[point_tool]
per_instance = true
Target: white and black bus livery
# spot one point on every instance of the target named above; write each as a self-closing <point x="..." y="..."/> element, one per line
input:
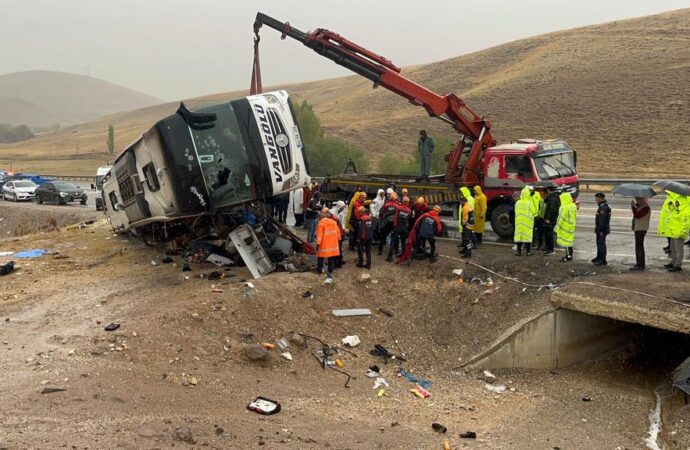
<point x="203" y="161"/>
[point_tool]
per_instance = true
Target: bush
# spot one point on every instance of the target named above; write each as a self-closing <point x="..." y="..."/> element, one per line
<point x="326" y="155"/>
<point x="10" y="134"/>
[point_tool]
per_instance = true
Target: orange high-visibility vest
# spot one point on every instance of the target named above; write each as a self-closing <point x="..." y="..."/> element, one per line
<point x="327" y="238"/>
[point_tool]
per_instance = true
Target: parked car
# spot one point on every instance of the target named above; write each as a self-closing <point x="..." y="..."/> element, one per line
<point x="38" y="179"/>
<point x="60" y="192"/>
<point x="19" y="190"/>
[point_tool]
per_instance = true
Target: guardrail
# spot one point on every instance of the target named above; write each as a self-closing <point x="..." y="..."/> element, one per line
<point x="586" y="183"/>
<point x="71" y="177"/>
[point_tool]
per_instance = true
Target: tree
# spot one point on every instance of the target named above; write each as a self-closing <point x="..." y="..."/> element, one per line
<point x="111" y="142"/>
<point x="9" y="134"/>
<point x="326" y="155"/>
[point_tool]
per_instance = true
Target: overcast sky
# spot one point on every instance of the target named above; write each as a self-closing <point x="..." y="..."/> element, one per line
<point x="176" y="49"/>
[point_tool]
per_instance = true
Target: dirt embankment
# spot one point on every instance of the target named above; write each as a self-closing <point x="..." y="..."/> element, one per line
<point x="29" y="218"/>
<point x="178" y="357"/>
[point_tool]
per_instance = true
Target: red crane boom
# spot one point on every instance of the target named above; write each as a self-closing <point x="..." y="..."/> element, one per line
<point x="450" y="108"/>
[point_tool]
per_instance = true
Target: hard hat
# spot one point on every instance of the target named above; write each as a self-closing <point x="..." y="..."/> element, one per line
<point x="420" y="200"/>
<point x="437" y="208"/>
<point x="394" y="195"/>
<point x="325" y="210"/>
<point x="390" y="191"/>
<point x="404" y="191"/>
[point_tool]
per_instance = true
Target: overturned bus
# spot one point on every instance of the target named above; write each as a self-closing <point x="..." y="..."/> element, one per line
<point x="205" y="161"/>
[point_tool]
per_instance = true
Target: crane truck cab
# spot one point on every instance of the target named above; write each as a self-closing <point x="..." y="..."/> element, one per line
<point x="204" y="161"/>
<point x="509" y="167"/>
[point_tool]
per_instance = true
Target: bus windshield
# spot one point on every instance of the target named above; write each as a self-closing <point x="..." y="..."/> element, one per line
<point x="555" y="165"/>
<point x="222" y="154"/>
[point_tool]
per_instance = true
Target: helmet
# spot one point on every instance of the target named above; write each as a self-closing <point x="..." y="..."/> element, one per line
<point x="404" y="191"/>
<point x="420" y="200"/>
<point x="325" y="210"/>
<point x="437" y="208"/>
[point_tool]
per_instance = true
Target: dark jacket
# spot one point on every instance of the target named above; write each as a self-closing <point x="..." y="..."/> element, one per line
<point x="552" y="205"/>
<point x="429" y="225"/>
<point x="314" y="207"/>
<point x="602" y="220"/>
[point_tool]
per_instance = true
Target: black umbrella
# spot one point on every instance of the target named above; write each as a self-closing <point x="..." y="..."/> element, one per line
<point x="634" y="190"/>
<point x="674" y="186"/>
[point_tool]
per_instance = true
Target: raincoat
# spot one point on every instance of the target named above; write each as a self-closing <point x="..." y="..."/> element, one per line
<point x="525" y="211"/>
<point x="377" y="203"/>
<point x="567" y="217"/>
<point x="666" y="213"/>
<point x="327" y="238"/>
<point x="350" y="211"/>
<point x="468" y="195"/>
<point x="479" y="210"/>
<point x="679" y="218"/>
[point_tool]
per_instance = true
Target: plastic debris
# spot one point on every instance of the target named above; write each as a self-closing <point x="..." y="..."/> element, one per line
<point x="458" y="272"/>
<point x="420" y="392"/>
<point x="380" y="381"/>
<point x="489" y="377"/>
<point x="468" y="435"/>
<point x="219" y="260"/>
<point x="286" y="355"/>
<point x="308" y="294"/>
<point x="351" y="341"/>
<point x="438" y="427"/>
<point x="381" y="392"/>
<point x="351" y="312"/>
<point x="268" y="346"/>
<point x="265" y="406"/>
<point x="497" y="388"/>
<point x="283" y="343"/>
<point x="386" y="312"/>
<point x="33" y="253"/>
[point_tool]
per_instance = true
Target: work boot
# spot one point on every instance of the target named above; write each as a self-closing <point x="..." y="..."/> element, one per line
<point x="518" y="253"/>
<point x="593" y="260"/>
<point x="380" y="252"/>
<point x="433" y="259"/>
<point x="529" y="253"/>
<point x="601" y="263"/>
<point x="636" y="268"/>
<point x="368" y="267"/>
<point x="668" y="266"/>
<point x="675" y="269"/>
<point x="566" y="259"/>
<point x="360" y="264"/>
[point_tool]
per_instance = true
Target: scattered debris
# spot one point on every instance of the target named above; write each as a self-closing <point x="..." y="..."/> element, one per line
<point x="298" y="340"/>
<point x="112" y="326"/>
<point x="351" y="312"/>
<point x="287" y="356"/>
<point x="420" y="392"/>
<point x="380" y="381"/>
<point x="256" y="352"/>
<point x="381" y="352"/>
<point x="33" y="253"/>
<point x="52" y="390"/>
<point x="218" y="260"/>
<point x="185" y="435"/>
<point x="167" y="260"/>
<point x="364" y="278"/>
<point x="308" y="294"/>
<point x="154" y="263"/>
<point x="438" y="427"/>
<point x="268" y="345"/>
<point x="586" y="398"/>
<point x="186" y="267"/>
<point x="468" y="435"/>
<point x="495" y="388"/>
<point x="6" y="254"/>
<point x="426" y="384"/>
<point x="351" y="341"/>
<point x="253" y="254"/>
<point x="265" y="406"/>
<point x="488" y="377"/>
<point x="386" y="312"/>
<point x="282" y="343"/>
<point x="7" y="268"/>
<point x="458" y="272"/>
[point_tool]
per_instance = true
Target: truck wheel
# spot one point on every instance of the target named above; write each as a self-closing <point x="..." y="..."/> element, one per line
<point x="500" y="221"/>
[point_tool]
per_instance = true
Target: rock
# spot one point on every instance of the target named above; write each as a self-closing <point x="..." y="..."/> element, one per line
<point x="71" y="352"/>
<point x="468" y="435"/>
<point x="488" y="377"/>
<point x="147" y="432"/>
<point x="438" y="427"/>
<point x="364" y="278"/>
<point x="298" y="339"/>
<point x="219" y="431"/>
<point x="193" y="381"/>
<point x="185" y="435"/>
<point x="256" y="352"/>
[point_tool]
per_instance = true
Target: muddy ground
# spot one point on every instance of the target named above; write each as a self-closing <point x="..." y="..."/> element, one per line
<point x="178" y="358"/>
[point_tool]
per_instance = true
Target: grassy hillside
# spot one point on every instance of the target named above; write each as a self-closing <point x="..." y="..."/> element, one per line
<point x="618" y="92"/>
<point x="44" y="98"/>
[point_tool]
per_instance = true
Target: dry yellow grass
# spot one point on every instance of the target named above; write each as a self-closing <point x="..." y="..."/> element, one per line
<point x="618" y="92"/>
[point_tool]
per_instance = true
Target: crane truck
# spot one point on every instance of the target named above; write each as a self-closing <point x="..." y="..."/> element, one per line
<point x="476" y="159"/>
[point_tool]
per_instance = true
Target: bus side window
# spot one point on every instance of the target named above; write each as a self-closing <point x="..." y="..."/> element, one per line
<point x="113" y="200"/>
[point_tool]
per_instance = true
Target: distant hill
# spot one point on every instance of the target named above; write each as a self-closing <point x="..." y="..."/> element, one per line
<point x="617" y="92"/>
<point x="44" y="98"/>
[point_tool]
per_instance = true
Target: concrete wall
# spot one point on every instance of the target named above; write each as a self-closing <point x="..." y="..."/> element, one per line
<point x="553" y="340"/>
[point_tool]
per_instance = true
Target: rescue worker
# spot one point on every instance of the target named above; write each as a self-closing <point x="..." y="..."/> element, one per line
<point x="401" y="226"/>
<point x="552" y="205"/>
<point x="428" y="227"/>
<point x="311" y="216"/>
<point x="565" y="225"/>
<point x="356" y="201"/>
<point x="479" y="213"/>
<point x="602" y="228"/>
<point x="466" y="226"/>
<point x="365" y="235"/>
<point x="375" y="208"/>
<point x="524" y="221"/>
<point x="419" y="208"/>
<point x="677" y="228"/>
<point x="327" y="248"/>
<point x="425" y="147"/>
<point x="387" y="219"/>
<point x="538" y="221"/>
<point x="337" y="214"/>
<point x="640" y="225"/>
<point x="465" y="191"/>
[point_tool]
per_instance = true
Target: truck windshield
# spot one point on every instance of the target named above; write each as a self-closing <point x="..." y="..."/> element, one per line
<point x="555" y="165"/>
<point x="222" y="154"/>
